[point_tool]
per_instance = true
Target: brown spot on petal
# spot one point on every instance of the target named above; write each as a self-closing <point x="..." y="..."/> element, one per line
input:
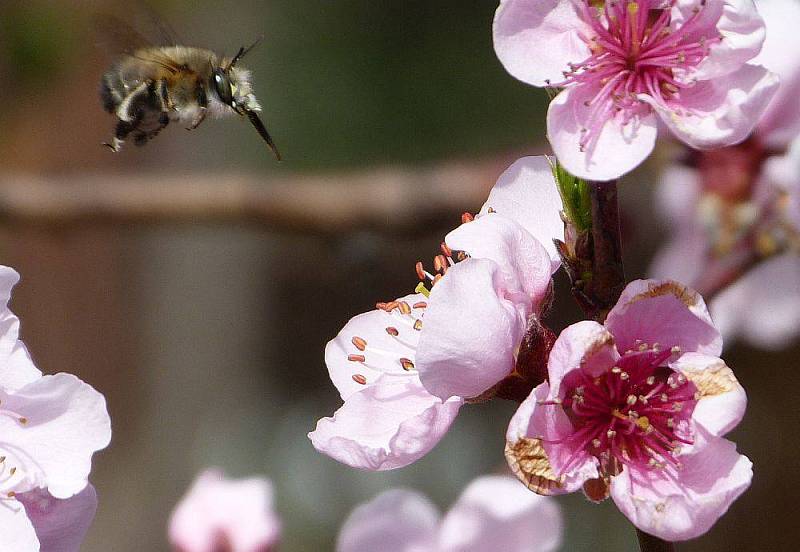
<point x="714" y="380"/>
<point x="596" y="490"/>
<point x="687" y="296"/>
<point x="530" y="464"/>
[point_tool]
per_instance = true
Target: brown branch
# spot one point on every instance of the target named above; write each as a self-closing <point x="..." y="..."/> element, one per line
<point x="385" y="199"/>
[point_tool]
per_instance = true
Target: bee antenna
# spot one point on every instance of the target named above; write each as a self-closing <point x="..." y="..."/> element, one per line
<point x="243" y="52"/>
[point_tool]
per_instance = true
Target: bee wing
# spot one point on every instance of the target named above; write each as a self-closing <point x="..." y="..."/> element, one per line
<point x="115" y="37"/>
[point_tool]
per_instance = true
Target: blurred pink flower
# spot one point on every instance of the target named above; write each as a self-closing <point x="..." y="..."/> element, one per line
<point x="637" y="409"/>
<point x="402" y="380"/>
<point x="742" y="197"/>
<point x="223" y="515"/>
<point x="50" y="426"/>
<point x="625" y="62"/>
<point x="493" y="513"/>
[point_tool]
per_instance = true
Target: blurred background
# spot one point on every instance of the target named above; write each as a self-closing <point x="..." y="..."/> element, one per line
<point x="195" y="281"/>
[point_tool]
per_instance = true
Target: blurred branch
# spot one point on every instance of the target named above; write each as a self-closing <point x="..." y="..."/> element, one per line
<point x="385" y="199"/>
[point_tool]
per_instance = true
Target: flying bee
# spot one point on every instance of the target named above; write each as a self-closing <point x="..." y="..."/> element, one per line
<point x="148" y="86"/>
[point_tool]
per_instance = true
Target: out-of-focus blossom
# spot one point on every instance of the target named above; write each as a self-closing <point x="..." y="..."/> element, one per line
<point x="744" y="201"/>
<point x="625" y="64"/>
<point x="493" y="513"/>
<point x="637" y="408"/>
<point x="403" y="379"/>
<point x="50" y="426"/>
<point x="223" y="515"/>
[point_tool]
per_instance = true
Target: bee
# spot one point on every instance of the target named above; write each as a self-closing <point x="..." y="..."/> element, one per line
<point x="149" y="86"/>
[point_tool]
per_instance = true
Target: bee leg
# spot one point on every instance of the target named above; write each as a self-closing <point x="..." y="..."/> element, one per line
<point x="199" y="118"/>
<point x="202" y="102"/>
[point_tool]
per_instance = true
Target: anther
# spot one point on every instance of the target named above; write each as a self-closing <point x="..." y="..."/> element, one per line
<point x="467" y="217"/>
<point x="420" y="270"/>
<point x="631" y="400"/>
<point x="406" y="364"/>
<point x="651" y="380"/>
<point x="405" y="308"/>
<point x="446" y="249"/>
<point x="418" y="325"/>
<point x="420" y="305"/>
<point x="391" y="330"/>
<point x="359" y="343"/>
<point x="360" y="379"/>
<point x="356" y="358"/>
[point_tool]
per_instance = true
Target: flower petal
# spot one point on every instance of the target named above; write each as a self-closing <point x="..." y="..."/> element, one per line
<point x="527" y="193"/>
<point x="722" y="399"/>
<point x="533" y="459"/>
<point x="391" y="334"/>
<point x="497" y="513"/>
<point x="742" y="30"/>
<point x="522" y="26"/>
<point x="585" y="345"/>
<point x="60" y="524"/>
<point x="520" y="256"/>
<point x="470" y="332"/>
<point x="722" y="111"/>
<point x="16" y="366"/>
<point x="763" y="306"/>
<point x="238" y="513"/>
<point x="395" y="521"/>
<point x="66" y="422"/>
<point x="686" y="504"/>
<point x="616" y="148"/>
<point x="388" y="425"/>
<point x="663" y="312"/>
<point x="18" y="532"/>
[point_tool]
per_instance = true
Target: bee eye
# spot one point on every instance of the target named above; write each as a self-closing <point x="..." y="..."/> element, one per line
<point x="222" y="86"/>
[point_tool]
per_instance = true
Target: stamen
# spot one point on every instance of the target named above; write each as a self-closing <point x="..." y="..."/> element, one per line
<point x="359" y="343"/>
<point x="360" y="379"/>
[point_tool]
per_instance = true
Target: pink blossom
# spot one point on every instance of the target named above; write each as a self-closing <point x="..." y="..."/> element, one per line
<point x="223" y="515"/>
<point x="627" y="63"/>
<point x="403" y="380"/>
<point x="637" y="409"/>
<point x="493" y="513"/>
<point x="50" y="426"/>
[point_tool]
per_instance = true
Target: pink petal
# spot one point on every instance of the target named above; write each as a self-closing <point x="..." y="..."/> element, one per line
<point x="18" y="532"/>
<point x="522" y="26"/>
<point x="685" y="507"/>
<point x="60" y="524"/>
<point x="394" y="521"/>
<point x="67" y="422"/>
<point x="763" y="307"/>
<point x="682" y="259"/>
<point x="388" y="425"/>
<point x="742" y="30"/>
<point x="16" y="366"/>
<point x="522" y="259"/>
<point x="663" y="312"/>
<point x="239" y="513"/>
<point x="372" y="328"/>
<point x="722" y="111"/>
<point x="549" y="422"/>
<point x="781" y="121"/>
<point x="470" y="331"/>
<point x="499" y="513"/>
<point x="527" y="193"/>
<point x="721" y="411"/>
<point x="585" y="345"/>
<point x="616" y="149"/>
<point x="677" y="194"/>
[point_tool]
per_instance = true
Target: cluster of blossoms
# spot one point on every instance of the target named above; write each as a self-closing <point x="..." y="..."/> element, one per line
<point x="635" y="409"/>
<point x="51" y="425"/>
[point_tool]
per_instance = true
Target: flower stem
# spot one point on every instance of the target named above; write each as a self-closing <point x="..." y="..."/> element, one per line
<point x="608" y="272"/>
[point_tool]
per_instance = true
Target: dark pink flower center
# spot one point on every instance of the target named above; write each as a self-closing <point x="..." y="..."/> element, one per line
<point x="636" y="48"/>
<point x="637" y="414"/>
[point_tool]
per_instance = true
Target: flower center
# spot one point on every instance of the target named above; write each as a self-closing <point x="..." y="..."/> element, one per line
<point x="636" y="48"/>
<point x="637" y="414"/>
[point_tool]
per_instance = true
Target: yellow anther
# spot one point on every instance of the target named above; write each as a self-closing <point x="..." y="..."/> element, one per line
<point x="422" y="289"/>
